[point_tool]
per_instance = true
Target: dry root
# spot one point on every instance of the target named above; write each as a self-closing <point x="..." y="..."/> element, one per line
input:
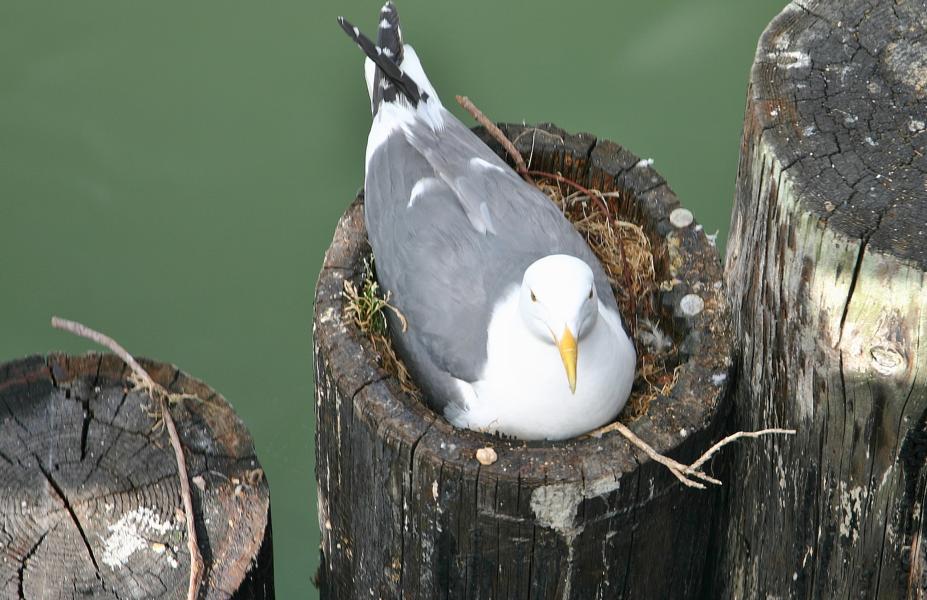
<point x="690" y="475"/>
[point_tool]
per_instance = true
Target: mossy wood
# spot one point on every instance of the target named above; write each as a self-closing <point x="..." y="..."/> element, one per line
<point x="825" y="266"/>
<point x="406" y="510"/>
<point x="90" y="502"/>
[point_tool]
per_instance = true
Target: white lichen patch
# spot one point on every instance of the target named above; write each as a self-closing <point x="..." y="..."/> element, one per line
<point x="681" y="217"/>
<point x="780" y="470"/>
<point x="851" y="505"/>
<point x="691" y="305"/>
<point x="907" y="60"/>
<point x="783" y="41"/>
<point x="718" y="378"/>
<point x="555" y="506"/>
<point x="791" y="59"/>
<point x="327" y="315"/>
<point x="130" y="534"/>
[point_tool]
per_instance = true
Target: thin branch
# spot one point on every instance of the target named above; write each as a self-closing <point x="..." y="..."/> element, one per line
<point x="158" y="393"/>
<point x="519" y="160"/>
<point x="491" y="127"/>
<point x="81" y="330"/>
<point x="736" y="436"/>
<point x="676" y="468"/>
<point x="687" y="474"/>
<point x="196" y="559"/>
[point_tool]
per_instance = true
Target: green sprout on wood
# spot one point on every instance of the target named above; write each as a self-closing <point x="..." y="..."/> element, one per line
<point x="367" y="303"/>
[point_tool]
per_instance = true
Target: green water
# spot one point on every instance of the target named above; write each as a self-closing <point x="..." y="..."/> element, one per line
<point x="171" y="172"/>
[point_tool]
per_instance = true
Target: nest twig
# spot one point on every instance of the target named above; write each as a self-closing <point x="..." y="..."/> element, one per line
<point x="690" y="475"/>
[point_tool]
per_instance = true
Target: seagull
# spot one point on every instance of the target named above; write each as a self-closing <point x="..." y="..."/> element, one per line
<point x="512" y="326"/>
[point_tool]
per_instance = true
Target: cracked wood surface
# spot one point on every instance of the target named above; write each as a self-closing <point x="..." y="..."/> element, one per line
<point x="825" y="266"/>
<point x="90" y="503"/>
<point x="405" y="509"/>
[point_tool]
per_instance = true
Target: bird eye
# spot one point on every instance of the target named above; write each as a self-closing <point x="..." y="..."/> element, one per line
<point x="590" y="293"/>
<point x="533" y="297"/>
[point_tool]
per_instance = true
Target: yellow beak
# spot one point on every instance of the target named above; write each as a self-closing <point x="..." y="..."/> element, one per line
<point x="568" y="352"/>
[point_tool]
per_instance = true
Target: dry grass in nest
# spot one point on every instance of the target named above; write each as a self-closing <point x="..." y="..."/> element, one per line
<point x="625" y="252"/>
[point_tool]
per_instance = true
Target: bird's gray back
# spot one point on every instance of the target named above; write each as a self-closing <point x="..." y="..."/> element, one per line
<point x="443" y="273"/>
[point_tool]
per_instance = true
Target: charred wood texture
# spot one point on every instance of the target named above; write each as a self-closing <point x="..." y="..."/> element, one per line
<point x="406" y="510"/>
<point x="825" y="266"/>
<point x="90" y="502"/>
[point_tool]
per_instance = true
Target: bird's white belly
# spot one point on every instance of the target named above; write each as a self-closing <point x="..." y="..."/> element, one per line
<point x="523" y="391"/>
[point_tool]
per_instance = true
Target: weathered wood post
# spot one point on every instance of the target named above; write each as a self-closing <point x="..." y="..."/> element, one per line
<point x="825" y="267"/>
<point x="405" y="509"/>
<point x="90" y="504"/>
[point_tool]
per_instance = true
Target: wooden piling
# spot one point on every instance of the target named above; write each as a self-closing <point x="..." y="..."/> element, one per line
<point x="406" y="509"/>
<point x="90" y="502"/>
<point x="826" y="269"/>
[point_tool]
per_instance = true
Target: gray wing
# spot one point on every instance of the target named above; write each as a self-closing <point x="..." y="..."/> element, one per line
<point x="497" y="200"/>
<point x="452" y="228"/>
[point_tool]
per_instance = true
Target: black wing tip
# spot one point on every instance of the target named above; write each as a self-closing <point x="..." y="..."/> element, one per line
<point x="389" y="12"/>
<point x="385" y="65"/>
<point x="348" y="27"/>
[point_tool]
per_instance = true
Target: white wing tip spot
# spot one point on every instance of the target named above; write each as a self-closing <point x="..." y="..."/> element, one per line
<point x="420" y="188"/>
<point x="484" y="212"/>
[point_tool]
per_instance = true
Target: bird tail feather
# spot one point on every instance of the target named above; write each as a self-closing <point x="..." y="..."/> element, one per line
<point x="386" y="80"/>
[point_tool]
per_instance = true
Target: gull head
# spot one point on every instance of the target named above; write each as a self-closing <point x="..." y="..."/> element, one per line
<point x="559" y="305"/>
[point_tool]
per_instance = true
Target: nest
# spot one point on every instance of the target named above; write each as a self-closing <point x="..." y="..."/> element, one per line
<point x="626" y="254"/>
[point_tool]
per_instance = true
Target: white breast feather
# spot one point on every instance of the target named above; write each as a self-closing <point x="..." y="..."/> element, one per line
<point x="524" y="392"/>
